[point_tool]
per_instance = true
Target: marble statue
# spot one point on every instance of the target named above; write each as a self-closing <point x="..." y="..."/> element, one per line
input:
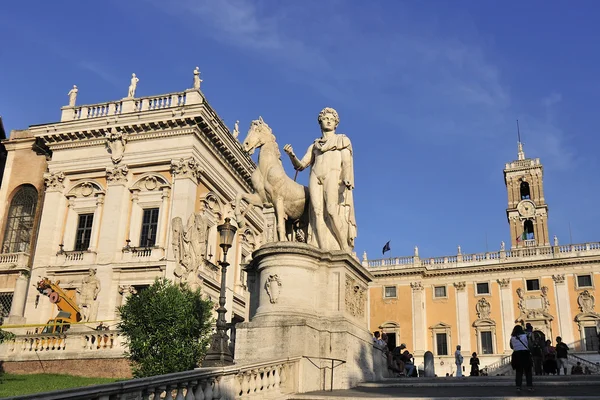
<point x="331" y="181"/>
<point x="73" y="96"/>
<point x="88" y="294"/>
<point x="272" y="186"/>
<point x="236" y="129"/>
<point x="555" y="241"/>
<point x="416" y="251"/>
<point x="116" y="141"/>
<point x="459" y="250"/>
<point x="502" y="246"/>
<point x="197" y="80"/>
<point x="133" y="86"/>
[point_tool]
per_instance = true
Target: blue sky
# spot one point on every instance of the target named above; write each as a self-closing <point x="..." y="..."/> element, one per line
<point x="427" y="91"/>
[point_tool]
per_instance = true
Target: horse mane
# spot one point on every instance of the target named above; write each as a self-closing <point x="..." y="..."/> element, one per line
<point x="262" y="125"/>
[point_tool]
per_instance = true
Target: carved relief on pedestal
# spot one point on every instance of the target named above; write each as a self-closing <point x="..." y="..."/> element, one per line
<point x="416" y="286"/>
<point x="483" y="308"/>
<point x="460" y="286"/>
<point x="273" y="288"/>
<point x="355" y="297"/>
<point x="115" y="143"/>
<point x="117" y="175"/>
<point x="54" y="181"/>
<point x="559" y="278"/>
<point x="186" y="168"/>
<point x="190" y="245"/>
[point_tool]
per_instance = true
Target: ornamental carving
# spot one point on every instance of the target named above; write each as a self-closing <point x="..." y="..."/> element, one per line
<point x="54" y="181"/>
<point x="416" y="286"/>
<point x="273" y="288"/>
<point x="586" y="302"/>
<point x="117" y="174"/>
<point x="190" y="245"/>
<point x="355" y="298"/>
<point x="115" y="143"/>
<point x="534" y="307"/>
<point x="483" y="308"/>
<point x="560" y="278"/>
<point x="460" y="286"/>
<point x="186" y="168"/>
<point x="504" y="282"/>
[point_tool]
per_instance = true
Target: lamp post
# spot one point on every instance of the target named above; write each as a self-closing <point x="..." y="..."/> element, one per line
<point x="219" y="354"/>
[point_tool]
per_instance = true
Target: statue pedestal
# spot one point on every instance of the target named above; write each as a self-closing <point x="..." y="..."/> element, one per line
<point x="308" y="302"/>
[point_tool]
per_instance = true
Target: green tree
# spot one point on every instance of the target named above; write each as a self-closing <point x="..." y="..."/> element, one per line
<point x="166" y="328"/>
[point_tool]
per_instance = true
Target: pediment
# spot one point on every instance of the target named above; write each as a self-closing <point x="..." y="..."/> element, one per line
<point x="587" y="316"/>
<point x="484" y="322"/>
<point x="440" y="325"/>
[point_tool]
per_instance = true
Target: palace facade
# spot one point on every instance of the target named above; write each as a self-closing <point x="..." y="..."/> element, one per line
<point x="103" y="202"/>
<point x="475" y="300"/>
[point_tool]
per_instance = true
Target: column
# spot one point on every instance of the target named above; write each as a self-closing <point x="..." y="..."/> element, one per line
<point x="17" y="307"/>
<point x="462" y="317"/>
<point x="563" y="309"/>
<point x="419" y="320"/>
<point x="161" y="235"/>
<point x="508" y="315"/>
<point x="112" y="227"/>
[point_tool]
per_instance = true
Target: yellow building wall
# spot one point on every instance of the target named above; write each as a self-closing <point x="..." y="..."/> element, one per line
<point x="398" y="310"/>
<point x="442" y="310"/>
<point x="553" y="309"/>
<point x="495" y="314"/>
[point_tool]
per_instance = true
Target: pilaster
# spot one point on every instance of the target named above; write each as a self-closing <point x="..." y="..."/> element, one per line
<point x="561" y="293"/>
<point x="506" y="306"/>
<point x="17" y="308"/>
<point x="462" y="317"/>
<point x="419" y="321"/>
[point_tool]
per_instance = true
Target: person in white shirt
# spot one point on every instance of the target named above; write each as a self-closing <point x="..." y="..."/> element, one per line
<point x="458" y="360"/>
<point x="521" y="357"/>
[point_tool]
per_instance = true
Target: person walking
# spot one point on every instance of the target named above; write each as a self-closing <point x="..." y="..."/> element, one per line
<point x="474" y="364"/>
<point x="562" y="354"/>
<point x="458" y="360"/>
<point x="521" y="357"/>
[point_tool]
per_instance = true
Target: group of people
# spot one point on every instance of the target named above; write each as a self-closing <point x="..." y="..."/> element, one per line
<point x="532" y="353"/>
<point x="399" y="360"/>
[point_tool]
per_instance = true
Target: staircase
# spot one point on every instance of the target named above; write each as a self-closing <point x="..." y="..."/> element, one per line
<point x="576" y="387"/>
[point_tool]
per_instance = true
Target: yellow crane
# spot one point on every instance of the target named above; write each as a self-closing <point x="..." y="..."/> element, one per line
<point x="69" y="311"/>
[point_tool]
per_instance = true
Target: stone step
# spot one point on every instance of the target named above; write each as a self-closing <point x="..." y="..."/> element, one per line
<point x="485" y="388"/>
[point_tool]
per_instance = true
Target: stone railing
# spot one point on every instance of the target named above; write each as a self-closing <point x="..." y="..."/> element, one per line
<point x="138" y="254"/>
<point x="75" y="257"/>
<point x="488" y="258"/>
<point x="12" y="260"/>
<point x="28" y="346"/>
<point x="266" y="380"/>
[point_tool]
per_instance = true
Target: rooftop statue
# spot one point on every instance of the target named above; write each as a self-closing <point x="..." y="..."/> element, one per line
<point x="272" y="186"/>
<point x="133" y="86"/>
<point x="331" y="182"/>
<point x="73" y="96"/>
<point x="197" y="80"/>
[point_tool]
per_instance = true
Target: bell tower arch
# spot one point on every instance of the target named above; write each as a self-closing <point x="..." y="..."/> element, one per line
<point x="527" y="211"/>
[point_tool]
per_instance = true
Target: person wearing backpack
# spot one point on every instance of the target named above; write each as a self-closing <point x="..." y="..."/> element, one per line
<point x="521" y="357"/>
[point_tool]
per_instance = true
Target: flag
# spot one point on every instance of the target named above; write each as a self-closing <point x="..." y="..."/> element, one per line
<point x="522" y="237"/>
<point x="386" y="248"/>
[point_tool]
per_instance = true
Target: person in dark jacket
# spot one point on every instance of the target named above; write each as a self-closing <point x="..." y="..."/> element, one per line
<point x="521" y="357"/>
<point x="474" y="364"/>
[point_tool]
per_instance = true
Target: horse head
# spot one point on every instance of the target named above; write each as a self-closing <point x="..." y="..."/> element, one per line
<point x="258" y="134"/>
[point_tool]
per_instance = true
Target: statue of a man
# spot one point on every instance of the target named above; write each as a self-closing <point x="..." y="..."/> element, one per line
<point x="133" y="85"/>
<point x="73" y="96"/>
<point x="330" y="185"/>
<point x="197" y="80"/>
<point x="90" y="287"/>
<point x="236" y="129"/>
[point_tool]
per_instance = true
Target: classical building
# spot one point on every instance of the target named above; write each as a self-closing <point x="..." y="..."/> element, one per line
<point x="102" y="203"/>
<point x="474" y="300"/>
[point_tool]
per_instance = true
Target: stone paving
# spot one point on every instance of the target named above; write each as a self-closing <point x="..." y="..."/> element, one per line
<point x="487" y="388"/>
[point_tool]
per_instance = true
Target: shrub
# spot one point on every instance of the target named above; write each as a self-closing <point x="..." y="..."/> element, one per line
<point x="166" y="328"/>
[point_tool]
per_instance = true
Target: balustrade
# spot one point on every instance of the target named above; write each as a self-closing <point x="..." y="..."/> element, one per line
<point x="95" y="341"/>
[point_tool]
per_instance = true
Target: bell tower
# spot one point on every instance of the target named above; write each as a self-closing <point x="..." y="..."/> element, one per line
<point x="527" y="210"/>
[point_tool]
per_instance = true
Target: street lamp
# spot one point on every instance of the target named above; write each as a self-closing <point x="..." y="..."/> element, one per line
<point x="219" y="354"/>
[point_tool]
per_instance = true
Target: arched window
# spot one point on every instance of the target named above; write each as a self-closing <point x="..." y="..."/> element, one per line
<point x="525" y="194"/>
<point x="528" y="230"/>
<point x="19" y="224"/>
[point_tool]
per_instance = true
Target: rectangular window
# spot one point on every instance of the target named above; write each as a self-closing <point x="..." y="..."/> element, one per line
<point x="439" y="291"/>
<point x="442" y="344"/>
<point x="84" y="232"/>
<point x="390" y="291"/>
<point x="486" y="343"/>
<point x="533" y="284"/>
<point x="584" y="281"/>
<point x="591" y="339"/>
<point x="5" y="304"/>
<point x="483" y="288"/>
<point x="149" y="227"/>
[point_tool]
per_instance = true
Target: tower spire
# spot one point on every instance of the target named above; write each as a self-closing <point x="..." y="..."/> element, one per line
<point x="521" y="153"/>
